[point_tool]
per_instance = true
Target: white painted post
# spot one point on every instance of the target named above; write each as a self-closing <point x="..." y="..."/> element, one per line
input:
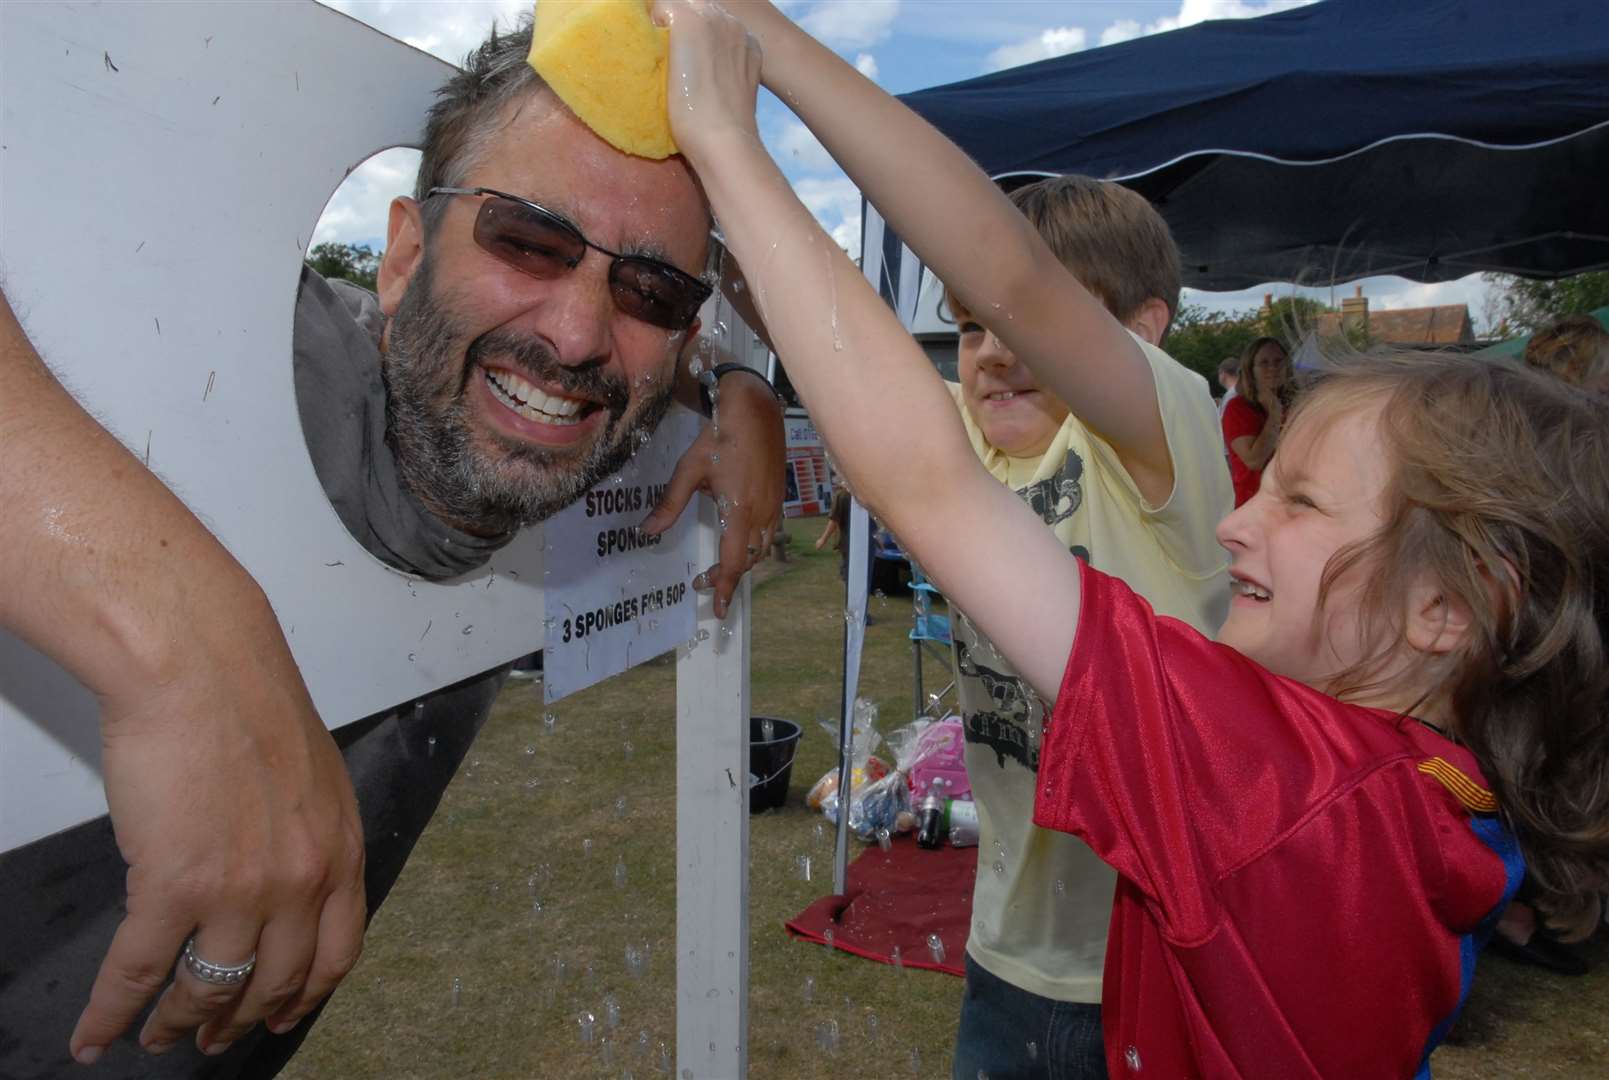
<point x="712" y="834"/>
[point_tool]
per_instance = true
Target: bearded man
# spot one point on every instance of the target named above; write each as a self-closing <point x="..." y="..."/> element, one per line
<point x="536" y="309"/>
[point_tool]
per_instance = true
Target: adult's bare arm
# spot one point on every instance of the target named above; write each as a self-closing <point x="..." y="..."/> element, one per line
<point x="229" y="800"/>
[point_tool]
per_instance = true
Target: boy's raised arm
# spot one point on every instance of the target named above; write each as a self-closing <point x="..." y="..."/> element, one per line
<point x="889" y="420"/>
<point x="978" y="244"/>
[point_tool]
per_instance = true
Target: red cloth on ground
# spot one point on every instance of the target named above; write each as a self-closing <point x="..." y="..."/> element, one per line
<point x="899" y="897"/>
<point x="1303" y="884"/>
<point x="1241" y="418"/>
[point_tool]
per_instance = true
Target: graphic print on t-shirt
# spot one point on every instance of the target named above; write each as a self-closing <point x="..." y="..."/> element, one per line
<point x="998" y="709"/>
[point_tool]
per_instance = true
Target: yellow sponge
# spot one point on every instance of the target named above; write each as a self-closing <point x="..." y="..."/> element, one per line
<point x="606" y="61"/>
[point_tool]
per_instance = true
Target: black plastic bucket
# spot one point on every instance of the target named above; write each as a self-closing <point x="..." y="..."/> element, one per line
<point x="771" y="761"/>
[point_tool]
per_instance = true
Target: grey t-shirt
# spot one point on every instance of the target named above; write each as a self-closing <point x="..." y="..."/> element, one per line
<point x="342" y="401"/>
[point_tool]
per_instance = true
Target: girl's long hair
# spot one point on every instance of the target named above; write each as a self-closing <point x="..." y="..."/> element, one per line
<point x="1500" y="495"/>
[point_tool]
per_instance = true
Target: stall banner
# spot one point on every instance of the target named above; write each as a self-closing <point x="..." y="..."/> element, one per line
<point x="808" y="481"/>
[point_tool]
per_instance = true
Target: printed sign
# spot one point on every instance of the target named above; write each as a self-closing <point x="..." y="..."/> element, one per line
<point x="614" y="597"/>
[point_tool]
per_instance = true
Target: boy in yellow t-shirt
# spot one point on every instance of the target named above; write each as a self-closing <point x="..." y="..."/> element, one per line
<point x="1042" y="899"/>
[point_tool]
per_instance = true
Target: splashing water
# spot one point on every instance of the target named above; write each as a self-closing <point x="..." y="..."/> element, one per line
<point x="935" y="948"/>
<point x="588" y="1024"/>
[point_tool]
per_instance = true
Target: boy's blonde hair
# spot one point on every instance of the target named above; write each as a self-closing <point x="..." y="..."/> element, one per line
<point x="1111" y="238"/>
<point x="1500" y="494"/>
<point x="1574" y="348"/>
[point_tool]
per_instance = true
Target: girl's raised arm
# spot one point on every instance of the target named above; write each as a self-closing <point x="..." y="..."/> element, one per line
<point x="978" y="244"/>
<point x="890" y="422"/>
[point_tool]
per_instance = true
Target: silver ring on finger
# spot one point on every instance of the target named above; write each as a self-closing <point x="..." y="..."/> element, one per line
<point x="217" y="974"/>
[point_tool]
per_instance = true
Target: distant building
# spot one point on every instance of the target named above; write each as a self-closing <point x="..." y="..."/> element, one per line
<point x="1443" y="326"/>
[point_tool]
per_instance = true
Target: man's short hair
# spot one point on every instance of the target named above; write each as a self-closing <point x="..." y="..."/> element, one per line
<point x="1110" y="237"/>
<point x="1229" y="365"/>
<point x="468" y="110"/>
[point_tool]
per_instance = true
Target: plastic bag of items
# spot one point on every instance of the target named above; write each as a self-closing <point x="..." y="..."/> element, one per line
<point x="886" y="804"/>
<point x="865" y="766"/>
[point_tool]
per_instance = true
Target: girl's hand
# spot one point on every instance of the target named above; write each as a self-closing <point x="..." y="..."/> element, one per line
<point x="712" y="76"/>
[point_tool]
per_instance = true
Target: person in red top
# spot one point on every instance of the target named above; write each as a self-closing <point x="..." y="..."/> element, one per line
<point x="1317" y="818"/>
<point x="1253" y="416"/>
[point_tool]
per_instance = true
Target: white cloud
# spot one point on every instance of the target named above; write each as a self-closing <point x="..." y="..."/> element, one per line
<point x="836" y="205"/>
<point x="850" y="24"/>
<point x="866" y="64"/>
<point x="798" y="148"/>
<point x="357" y="212"/>
<point x="1052" y="41"/>
<point x="1195" y="11"/>
<point x="448" y="29"/>
<point x="1122" y="30"/>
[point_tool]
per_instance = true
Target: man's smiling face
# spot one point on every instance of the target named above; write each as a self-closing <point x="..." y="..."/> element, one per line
<point x="509" y="395"/>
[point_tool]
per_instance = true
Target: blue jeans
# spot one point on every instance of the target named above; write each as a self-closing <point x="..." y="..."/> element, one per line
<point x="1009" y="1034"/>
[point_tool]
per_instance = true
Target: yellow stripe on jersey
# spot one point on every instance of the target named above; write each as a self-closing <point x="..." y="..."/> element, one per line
<point x="1465" y="790"/>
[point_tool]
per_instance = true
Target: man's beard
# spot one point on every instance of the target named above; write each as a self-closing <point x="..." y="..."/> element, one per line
<point x="430" y="433"/>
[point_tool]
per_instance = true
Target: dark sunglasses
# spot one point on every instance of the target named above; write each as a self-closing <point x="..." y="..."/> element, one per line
<point x="536" y="241"/>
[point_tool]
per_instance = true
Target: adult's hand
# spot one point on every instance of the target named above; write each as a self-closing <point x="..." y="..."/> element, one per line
<point x="738" y="461"/>
<point x="233" y="809"/>
<point x="228" y="797"/>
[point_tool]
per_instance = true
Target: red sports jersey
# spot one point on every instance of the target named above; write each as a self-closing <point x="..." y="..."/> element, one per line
<point x="1303" y="884"/>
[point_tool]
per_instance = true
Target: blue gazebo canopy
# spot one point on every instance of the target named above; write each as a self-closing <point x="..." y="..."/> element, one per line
<point x="1426" y="138"/>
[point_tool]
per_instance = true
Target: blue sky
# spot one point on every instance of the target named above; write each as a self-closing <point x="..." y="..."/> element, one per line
<point x="902" y="44"/>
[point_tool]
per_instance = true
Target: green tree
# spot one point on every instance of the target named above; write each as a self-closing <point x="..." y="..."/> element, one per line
<point x="1291" y="319"/>
<point x="357" y="263"/>
<point x="1201" y="339"/>
<point x="1525" y="306"/>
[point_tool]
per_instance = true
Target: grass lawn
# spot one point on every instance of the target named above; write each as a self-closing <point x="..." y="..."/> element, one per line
<point x="552" y="855"/>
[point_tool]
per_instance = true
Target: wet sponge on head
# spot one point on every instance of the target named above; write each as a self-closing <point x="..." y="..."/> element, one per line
<point x="606" y="61"/>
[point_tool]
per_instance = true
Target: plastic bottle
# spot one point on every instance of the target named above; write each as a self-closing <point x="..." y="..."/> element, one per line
<point x="961" y="817"/>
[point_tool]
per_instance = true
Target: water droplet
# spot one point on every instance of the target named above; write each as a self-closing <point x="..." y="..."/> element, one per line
<point x="827" y="1036"/>
<point x="586" y="846"/>
<point x="530" y="751"/>
<point x="726" y="632"/>
<point x="588" y="1025"/>
<point x="809" y="991"/>
<point x="768" y="729"/>
<point x="664" y="1064"/>
<point x="884" y="840"/>
<point x="620" y="806"/>
<point x="916" y="1061"/>
<point x="1131" y="1058"/>
<point x="620" y="874"/>
<point x="801" y="867"/>
<point x="935" y="948"/>
<point x="468" y="629"/>
<point x="549" y="722"/>
<point x="1033" y="1050"/>
<point x="899" y="960"/>
<point x="458" y="991"/>
<point x="871" y="1025"/>
<point x="644" y="1043"/>
<point x="1061" y="887"/>
<point x="999" y="868"/>
<point x="629" y="749"/>
<point x="821" y="834"/>
<point x="418" y="708"/>
<point x="828" y="938"/>
<point x="606" y="1050"/>
<point x="611" y="1011"/>
<point x="430" y="746"/>
<point x="536" y="909"/>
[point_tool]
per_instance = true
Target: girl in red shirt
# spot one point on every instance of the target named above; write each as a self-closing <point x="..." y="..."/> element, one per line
<point x="1253" y="417"/>
<point x="1318" y="817"/>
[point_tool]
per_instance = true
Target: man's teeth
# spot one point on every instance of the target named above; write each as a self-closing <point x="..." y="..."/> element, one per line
<point x="1004" y="396"/>
<point x="1246" y="588"/>
<point x="530" y="402"/>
